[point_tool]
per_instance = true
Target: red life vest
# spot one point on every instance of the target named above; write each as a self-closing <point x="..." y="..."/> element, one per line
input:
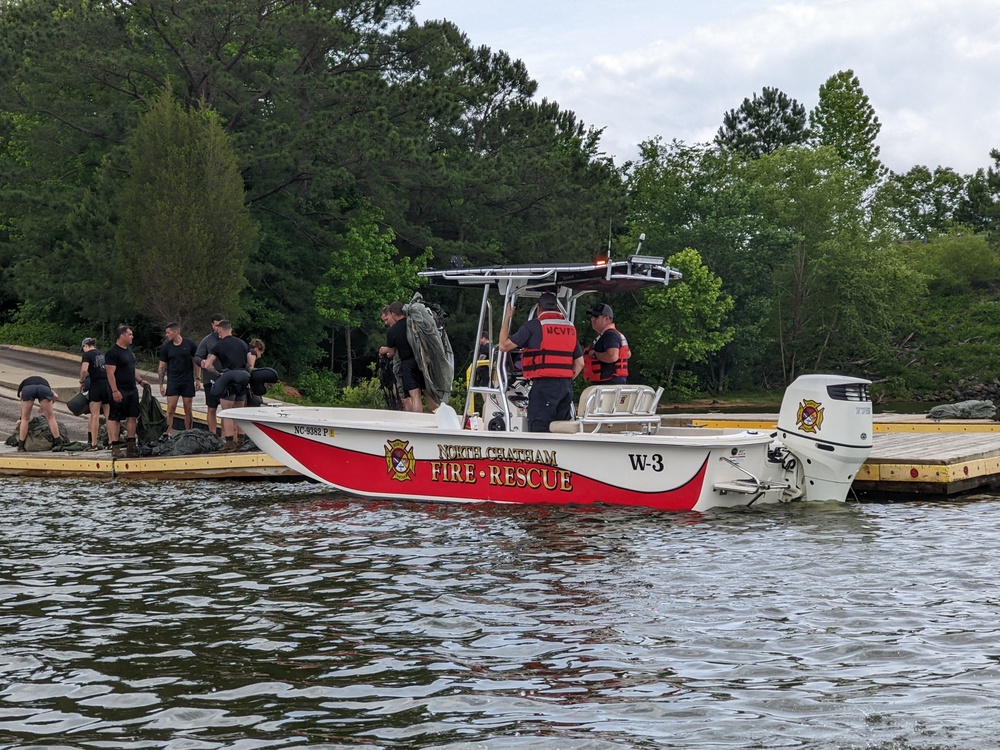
<point x="592" y="366"/>
<point x="554" y="358"/>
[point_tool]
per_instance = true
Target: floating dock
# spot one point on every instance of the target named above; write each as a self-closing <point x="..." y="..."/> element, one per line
<point x="100" y="465"/>
<point x="911" y="455"/>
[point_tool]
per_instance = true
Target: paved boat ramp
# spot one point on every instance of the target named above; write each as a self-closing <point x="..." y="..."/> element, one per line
<point x="912" y="457"/>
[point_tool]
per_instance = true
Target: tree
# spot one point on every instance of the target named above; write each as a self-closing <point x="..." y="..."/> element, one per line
<point x="921" y="202"/>
<point x="681" y="323"/>
<point x="185" y="232"/>
<point x="365" y="274"/>
<point x="763" y="124"/>
<point x="845" y="120"/>
<point x="840" y="284"/>
<point x="955" y="262"/>
<point x="981" y="207"/>
<point x="697" y="196"/>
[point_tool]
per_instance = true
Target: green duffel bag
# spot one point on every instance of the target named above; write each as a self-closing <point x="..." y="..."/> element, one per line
<point x="152" y="420"/>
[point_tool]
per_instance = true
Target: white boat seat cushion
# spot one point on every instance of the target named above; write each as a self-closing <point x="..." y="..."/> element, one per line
<point x="614" y="408"/>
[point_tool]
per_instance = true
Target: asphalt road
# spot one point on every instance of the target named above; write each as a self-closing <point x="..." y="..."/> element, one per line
<point x="44" y="365"/>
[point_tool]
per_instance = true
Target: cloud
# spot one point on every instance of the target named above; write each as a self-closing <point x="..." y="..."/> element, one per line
<point x="927" y="67"/>
<point x="645" y="68"/>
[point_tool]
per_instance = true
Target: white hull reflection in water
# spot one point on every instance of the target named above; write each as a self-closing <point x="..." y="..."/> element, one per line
<point x="257" y="615"/>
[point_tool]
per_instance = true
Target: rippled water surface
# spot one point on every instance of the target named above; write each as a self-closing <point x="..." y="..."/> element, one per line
<point x="212" y="615"/>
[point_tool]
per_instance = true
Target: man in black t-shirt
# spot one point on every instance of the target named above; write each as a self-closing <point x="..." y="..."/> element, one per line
<point x="207" y="379"/>
<point x="119" y="363"/>
<point x="177" y="363"/>
<point x="396" y="343"/>
<point x="99" y="394"/>
<point x="31" y="389"/>
<point x="230" y="354"/>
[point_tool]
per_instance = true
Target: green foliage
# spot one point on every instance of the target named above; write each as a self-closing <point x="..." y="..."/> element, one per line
<point x="319" y="387"/>
<point x="185" y="233"/>
<point x="367" y="394"/>
<point x="681" y="323"/>
<point x="839" y="285"/>
<point x="366" y="273"/>
<point x="921" y="203"/>
<point x="955" y="263"/>
<point x="951" y="341"/>
<point x="30" y="326"/>
<point x="845" y="120"/>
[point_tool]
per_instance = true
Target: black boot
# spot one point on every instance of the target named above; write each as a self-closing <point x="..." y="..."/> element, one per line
<point x="131" y="448"/>
<point x="116" y="450"/>
<point x="20" y="446"/>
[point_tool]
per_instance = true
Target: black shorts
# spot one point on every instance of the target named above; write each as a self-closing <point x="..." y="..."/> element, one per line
<point x="99" y="393"/>
<point x="37" y="391"/>
<point x="127" y="408"/>
<point x="549" y="400"/>
<point x="212" y="402"/>
<point x="181" y="388"/>
<point x="233" y="385"/>
<point x="413" y="378"/>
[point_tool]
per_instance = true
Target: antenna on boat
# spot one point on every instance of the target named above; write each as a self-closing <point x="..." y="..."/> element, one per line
<point x="609" y="240"/>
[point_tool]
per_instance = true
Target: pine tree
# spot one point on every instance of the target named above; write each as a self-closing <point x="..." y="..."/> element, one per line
<point x="185" y="232"/>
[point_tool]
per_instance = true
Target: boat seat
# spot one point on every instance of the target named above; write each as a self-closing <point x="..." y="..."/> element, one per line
<point x="614" y="408"/>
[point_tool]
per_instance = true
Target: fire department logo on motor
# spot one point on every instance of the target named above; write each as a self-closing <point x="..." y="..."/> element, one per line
<point x="399" y="460"/>
<point x="810" y="416"/>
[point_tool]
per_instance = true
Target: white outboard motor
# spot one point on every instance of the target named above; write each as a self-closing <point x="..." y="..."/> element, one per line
<point x="826" y="423"/>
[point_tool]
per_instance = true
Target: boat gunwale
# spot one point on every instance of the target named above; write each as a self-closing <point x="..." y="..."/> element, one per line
<point x="696" y="439"/>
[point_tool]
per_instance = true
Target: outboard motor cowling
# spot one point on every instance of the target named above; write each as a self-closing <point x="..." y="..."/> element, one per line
<point x="826" y="422"/>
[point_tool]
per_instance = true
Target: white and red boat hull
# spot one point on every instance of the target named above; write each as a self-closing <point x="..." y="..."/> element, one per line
<point x="398" y="455"/>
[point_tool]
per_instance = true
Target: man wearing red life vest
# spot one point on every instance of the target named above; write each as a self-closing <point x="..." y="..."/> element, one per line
<point x="606" y="360"/>
<point x="551" y="358"/>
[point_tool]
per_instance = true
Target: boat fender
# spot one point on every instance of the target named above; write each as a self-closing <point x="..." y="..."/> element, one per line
<point x="230" y="382"/>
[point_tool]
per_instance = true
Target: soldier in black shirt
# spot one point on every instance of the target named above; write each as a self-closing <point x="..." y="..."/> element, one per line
<point x="31" y="389"/>
<point x="208" y="380"/>
<point x="232" y="360"/>
<point x="119" y="362"/>
<point x="177" y="362"/>
<point x="99" y="394"/>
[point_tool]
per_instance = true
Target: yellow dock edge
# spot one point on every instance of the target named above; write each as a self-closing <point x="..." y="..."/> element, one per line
<point x="884" y="427"/>
<point x="207" y="466"/>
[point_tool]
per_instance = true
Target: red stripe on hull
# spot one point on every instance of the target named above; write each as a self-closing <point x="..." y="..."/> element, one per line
<point x="473" y="479"/>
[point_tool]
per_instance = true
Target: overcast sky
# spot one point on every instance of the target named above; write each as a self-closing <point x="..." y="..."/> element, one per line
<point x="672" y="68"/>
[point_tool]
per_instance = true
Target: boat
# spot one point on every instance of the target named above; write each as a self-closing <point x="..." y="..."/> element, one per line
<point x="614" y="451"/>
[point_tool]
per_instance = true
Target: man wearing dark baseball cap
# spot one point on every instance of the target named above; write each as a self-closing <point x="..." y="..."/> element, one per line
<point x="94" y="380"/>
<point x="606" y="360"/>
<point x="551" y="359"/>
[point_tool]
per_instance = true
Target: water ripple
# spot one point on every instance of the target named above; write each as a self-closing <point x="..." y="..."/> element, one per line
<point x="215" y="615"/>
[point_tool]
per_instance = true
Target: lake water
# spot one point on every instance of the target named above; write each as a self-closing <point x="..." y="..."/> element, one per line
<point x="229" y="615"/>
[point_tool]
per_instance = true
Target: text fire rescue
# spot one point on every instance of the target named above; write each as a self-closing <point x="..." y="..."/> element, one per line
<point x="538" y="469"/>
